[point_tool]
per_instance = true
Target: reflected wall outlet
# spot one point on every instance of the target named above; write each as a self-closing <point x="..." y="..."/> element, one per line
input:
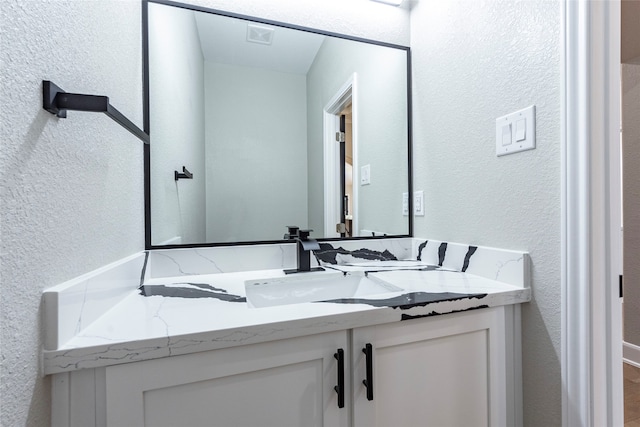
<point x="418" y="203"/>
<point x="365" y="175"/>
<point x="405" y="204"/>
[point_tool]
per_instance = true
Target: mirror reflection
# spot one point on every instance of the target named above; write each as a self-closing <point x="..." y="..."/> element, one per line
<point x="255" y="126"/>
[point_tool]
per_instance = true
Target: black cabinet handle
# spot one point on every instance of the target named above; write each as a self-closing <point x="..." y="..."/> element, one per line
<point x="340" y="387"/>
<point x="368" y="383"/>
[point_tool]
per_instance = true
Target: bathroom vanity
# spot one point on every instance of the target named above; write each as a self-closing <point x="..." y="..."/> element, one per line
<point x="434" y="371"/>
<point x="437" y="342"/>
<point x="397" y="331"/>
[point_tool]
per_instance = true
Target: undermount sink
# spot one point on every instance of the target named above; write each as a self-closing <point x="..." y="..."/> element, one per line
<point x="312" y="287"/>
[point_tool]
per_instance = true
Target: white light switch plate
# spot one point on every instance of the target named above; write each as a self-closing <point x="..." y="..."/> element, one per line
<point x="418" y="203"/>
<point x="516" y="132"/>
<point x="365" y="175"/>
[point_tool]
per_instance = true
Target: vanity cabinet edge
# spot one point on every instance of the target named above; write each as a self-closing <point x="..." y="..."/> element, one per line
<point x="93" y="397"/>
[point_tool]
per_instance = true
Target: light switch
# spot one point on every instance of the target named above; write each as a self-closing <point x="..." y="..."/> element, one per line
<point x="506" y="134"/>
<point x="516" y="132"/>
<point x="521" y="130"/>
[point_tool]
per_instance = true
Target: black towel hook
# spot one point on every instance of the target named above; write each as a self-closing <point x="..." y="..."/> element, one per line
<point x="57" y="101"/>
<point x="184" y="175"/>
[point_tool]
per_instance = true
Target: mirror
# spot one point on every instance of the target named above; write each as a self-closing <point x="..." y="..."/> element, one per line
<point x="244" y="115"/>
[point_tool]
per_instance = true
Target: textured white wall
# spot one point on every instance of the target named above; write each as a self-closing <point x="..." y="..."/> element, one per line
<point x="176" y="100"/>
<point x="382" y="129"/>
<point x="72" y="189"/>
<point x="256" y="152"/>
<point x="475" y="61"/>
<point x="631" y="193"/>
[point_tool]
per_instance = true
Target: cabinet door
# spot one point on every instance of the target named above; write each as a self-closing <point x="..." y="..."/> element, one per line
<point x="280" y="383"/>
<point x="436" y="371"/>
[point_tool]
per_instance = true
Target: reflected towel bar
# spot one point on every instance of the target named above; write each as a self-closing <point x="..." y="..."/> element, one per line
<point x="57" y="101"/>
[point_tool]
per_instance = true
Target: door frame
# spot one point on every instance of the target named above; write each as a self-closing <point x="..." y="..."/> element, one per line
<point x="591" y="245"/>
<point x="348" y="93"/>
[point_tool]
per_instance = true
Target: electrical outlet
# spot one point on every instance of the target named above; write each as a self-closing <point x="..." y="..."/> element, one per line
<point x="418" y="203"/>
<point x="365" y="175"/>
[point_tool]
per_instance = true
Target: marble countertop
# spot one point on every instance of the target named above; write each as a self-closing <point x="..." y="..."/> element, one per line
<point x="192" y="313"/>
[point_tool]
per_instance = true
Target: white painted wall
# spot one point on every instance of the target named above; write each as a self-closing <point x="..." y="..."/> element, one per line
<point x="630" y="74"/>
<point x="256" y="152"/>
<point x="473" y="62"/>
<point x="71" y="189"/>
<point x="176" y="99"/>
<point x="381" y="123"/>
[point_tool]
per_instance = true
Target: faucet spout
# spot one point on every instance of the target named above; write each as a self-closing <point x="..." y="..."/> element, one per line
<point x="304" y="246"/>
<point x="309" y="245"/>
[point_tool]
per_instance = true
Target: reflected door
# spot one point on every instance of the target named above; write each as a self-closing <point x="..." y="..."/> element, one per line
<point x="346" y="171"/>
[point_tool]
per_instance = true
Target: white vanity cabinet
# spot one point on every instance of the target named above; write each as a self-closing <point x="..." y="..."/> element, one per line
<point x="281" y="383"/>
<point x="439" y="371"/>
<point x="459" y="369"/>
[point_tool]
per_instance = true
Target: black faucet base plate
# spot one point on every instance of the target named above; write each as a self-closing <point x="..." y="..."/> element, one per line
<point x="295" y="270"/>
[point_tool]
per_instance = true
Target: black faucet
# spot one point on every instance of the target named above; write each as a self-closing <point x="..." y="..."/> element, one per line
<point x="304" y="246"/>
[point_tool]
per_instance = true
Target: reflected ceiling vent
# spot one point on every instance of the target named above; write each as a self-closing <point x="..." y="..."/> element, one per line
<point x="258" y="34"/>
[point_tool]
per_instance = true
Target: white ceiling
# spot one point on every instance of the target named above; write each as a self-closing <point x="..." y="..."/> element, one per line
<point x="224" y="40"/>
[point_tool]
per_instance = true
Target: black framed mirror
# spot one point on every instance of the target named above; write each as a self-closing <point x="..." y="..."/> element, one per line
<point x="256" y="125"/>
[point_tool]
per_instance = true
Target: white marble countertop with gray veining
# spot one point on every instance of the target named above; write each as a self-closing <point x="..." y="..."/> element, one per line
<point x="188" y="314"/>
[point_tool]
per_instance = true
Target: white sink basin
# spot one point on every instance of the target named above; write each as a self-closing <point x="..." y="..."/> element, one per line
<point x="310" y="287"/>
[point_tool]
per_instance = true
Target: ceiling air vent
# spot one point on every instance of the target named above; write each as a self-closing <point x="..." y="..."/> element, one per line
<point x="258" y="34"/>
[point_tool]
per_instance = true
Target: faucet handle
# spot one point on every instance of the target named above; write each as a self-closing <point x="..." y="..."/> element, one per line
<point x="304" y="234"/>
<point x="292" y="233"/>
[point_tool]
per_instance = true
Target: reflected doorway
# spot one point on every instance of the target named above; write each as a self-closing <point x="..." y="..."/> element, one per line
<point x="346" y="170"/>
<point x="341" y="162"/>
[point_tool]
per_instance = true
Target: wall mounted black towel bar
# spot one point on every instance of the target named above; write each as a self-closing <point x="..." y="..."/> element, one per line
<point x="184" y="175"/>
<point x="57" y="101"/>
